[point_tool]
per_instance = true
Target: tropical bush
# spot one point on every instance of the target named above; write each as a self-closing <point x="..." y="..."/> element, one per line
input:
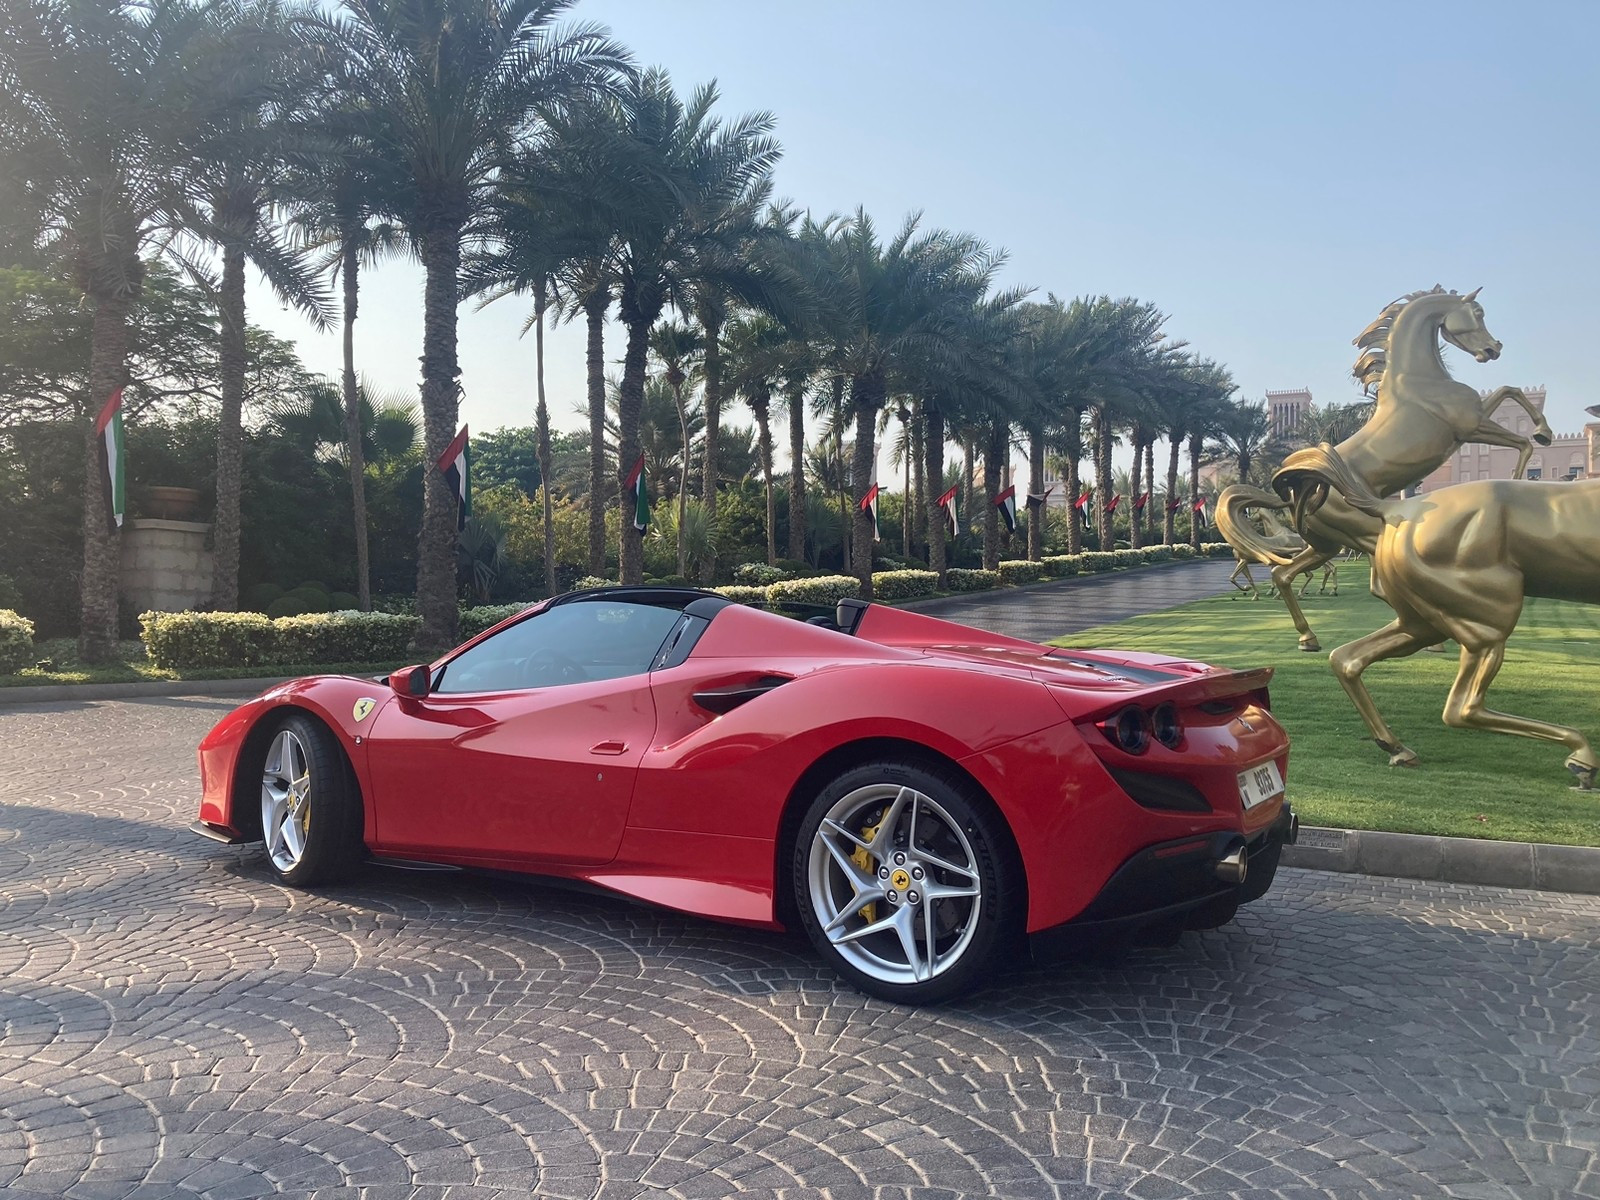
<point x="1182" y="550"/>
<point x="586" y="582"/>
<point x="758" y="574"/>
<point x="340" y="637"/>
<point x="1063" y="566"/>
<point x="971" y="579"/>
<point x="890" y="586"/>
<point x="16" y="642"/>
<point x="475" y="620"/>
<point x="1216" y="549"/>
<point x="741" y="593"/>
<point x="1095" y="561"/>
<point x="287" y="606"/>
<point x="1127" y="557"/>
<point x="824" y="589"/>
<point x="1158" y="554"/>
<point x="1021" y="570"/>
<point x="196" y="639"/>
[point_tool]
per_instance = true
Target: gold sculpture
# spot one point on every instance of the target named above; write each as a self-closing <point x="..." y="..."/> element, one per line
<point x="1283" y="541"/>
<point x="1421" y="417"/>
<point x="1457" y="563"/>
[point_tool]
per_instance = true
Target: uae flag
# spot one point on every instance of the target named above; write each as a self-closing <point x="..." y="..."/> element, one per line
<point x="1006" y="502"/>
<point x="1138" y="505"/>
<point x="1081" y="507"/>
<point x="1174" y="505"/>
<point x="948" y="503"/>
<point x="1199" y="512"/>
<point x="1039" y="499"/>
<point x="114" y="454"/>
<point x="869" y="505"/>
<point x="636" y="487"/>
<point x="458" y="474"/>
<point x="1111" y="505"/>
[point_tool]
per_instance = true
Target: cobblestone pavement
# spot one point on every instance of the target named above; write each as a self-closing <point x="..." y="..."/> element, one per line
<point x="1041" y="613"/>
<point x="174" y="1024"/>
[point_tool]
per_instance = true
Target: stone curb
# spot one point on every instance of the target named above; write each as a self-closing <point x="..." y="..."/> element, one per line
<point x="1448" y="859"/>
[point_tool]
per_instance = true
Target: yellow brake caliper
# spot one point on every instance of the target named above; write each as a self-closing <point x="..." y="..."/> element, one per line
<point x="862" y="858"/>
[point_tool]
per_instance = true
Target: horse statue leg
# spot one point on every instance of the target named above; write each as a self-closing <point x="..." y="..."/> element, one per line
<point x="1330" y="574"/>
<point x="1394" y="640"/>
<point x="1492" y="433"/>
<point x="1464" y="710"/>
<point x="1308" y="559"/>
<point x="1243" y="568"/>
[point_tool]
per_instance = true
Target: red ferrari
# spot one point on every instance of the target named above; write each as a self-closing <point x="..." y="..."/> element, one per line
<point x="918" y="795"/>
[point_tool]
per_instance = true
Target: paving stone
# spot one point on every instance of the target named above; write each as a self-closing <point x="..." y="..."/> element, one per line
<point x="174" y="1023"/>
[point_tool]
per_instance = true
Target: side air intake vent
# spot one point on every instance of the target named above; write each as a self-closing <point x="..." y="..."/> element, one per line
<point x="1160" y="792"/>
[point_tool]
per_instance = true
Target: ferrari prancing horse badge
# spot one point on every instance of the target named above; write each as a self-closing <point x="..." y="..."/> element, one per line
<point x="363" y="707"/>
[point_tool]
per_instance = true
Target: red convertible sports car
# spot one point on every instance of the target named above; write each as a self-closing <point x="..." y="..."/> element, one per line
<point x="919" y="796"/>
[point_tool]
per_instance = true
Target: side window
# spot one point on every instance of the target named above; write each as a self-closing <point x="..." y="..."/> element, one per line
<point x="570" y="643"/>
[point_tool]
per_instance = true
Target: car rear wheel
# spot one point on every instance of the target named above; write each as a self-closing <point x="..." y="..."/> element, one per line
<point x="905" y="882"/>
<point x="310" y="809"/>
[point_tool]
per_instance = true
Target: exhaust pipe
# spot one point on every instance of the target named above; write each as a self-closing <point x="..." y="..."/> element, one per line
<point x="1233" y="865"/>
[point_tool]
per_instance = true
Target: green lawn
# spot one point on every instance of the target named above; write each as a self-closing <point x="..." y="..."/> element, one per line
<point x="1469" y="784"/>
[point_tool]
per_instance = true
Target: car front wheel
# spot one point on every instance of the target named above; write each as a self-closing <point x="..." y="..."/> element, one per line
<point x="310" y="809"/>
<point x="906" y="882"/>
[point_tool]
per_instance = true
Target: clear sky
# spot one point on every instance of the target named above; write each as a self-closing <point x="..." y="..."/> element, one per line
<point x="1269" y="174"/>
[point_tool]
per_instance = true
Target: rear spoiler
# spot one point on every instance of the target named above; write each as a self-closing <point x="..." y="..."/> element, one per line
<point x="1214" y="686"/>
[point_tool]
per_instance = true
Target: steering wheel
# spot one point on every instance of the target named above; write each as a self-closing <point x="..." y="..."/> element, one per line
<point x="548" y="667"/>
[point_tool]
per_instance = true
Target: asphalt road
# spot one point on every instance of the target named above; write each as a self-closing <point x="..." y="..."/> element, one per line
<point x="172" y="1023"/>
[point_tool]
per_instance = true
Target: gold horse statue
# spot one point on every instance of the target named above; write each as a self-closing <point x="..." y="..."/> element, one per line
<point x="1422" y="417"/>
<point x="1283" y="540"/>
<point x="1458" y="563"/>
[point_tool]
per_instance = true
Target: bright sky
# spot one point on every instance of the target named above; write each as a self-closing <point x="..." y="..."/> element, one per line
<point x="1270" y="174"/>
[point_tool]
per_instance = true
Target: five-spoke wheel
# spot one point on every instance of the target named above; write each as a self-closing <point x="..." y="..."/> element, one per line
<point x="903" y="881"/>
<point x="310" y="810"/>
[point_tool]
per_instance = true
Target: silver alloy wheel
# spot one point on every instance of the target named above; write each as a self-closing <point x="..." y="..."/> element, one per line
<point x="894" y="884"/>
<point x="286" y="800"/>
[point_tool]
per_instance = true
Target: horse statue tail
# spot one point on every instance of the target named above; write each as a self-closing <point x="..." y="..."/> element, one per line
<point x="1240" y="532"/>
<point x="1307" y="475"/>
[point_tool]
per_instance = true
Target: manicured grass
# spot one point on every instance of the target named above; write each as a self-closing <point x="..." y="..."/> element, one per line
<point x="1469" y="783"/>
<point x="132" y="666"/>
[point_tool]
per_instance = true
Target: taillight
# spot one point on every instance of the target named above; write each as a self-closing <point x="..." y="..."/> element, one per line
<point x="1165" y="725"/>
<point x="1129" y="730"/>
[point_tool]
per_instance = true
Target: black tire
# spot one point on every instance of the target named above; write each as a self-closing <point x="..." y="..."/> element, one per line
<point x="330" y="835"/>
<point x="955" y="821"/>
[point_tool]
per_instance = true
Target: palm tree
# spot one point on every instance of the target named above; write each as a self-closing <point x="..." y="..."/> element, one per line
<point x="1206" y="418"/>
<point x="1241" y="435"/>
<point x="678" y="349"/>
<point x="102" y="109"/>
<point x="758" y="357"/>
<point x="447" y="85"/>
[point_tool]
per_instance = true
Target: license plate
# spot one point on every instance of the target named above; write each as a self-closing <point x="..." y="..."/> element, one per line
<point x="1260" y="783"/>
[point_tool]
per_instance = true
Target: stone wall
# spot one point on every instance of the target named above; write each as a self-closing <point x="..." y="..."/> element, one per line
<point x="165" y="565"/>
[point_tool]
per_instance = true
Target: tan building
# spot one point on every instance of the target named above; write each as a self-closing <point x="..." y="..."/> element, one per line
<point x="1569" y="456"/>
<point x="1287" y="409"/>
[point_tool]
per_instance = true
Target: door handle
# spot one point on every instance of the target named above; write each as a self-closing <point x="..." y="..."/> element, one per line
<point x="609" y="748"/>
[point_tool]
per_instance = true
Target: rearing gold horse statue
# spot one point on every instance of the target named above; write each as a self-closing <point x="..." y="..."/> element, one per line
<point x="1421" y="418"/>
<point x="1458" y="563"/>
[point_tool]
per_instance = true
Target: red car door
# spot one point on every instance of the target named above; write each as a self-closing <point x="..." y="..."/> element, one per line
<point x="528" y="746"/>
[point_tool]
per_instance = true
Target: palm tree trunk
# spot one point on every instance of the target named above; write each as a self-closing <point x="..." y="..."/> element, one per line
<point x="350" y="269"/>
<point x="711" y="364"/>
<point x="97" y="599"/>
<point x="230" y="430"/>
<point x="1036" y="486"/>
<point x="969" y="475"/>
<point x="594" y="310"/>
<point x="933" y="451"/>
<point x="918" y="501"/>
<point x="683" y="474"/>
<point x="867" y="396"/>
<point x="546" y="463"/>
<point x="906" y="506"/>
<point x="1150" y="487"/>
<point x="1135" y="475"/>
<point x="1102" y="476"/>
<point x="993" y="448"/>
<point x="845" y="531"/>
<point x="760" y="404"/>
<point x="630" y="403"/>
<point x="1073" y="482"/>
<point x="1170" y="513"/>
<point x="797" y="472"/>
<point x="1194" y="488"/>
<point x="436" y="547"/>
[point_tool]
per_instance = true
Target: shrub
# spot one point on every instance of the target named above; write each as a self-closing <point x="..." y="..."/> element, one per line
<point x="1158" y="554"/>
<point x="1216" y="549"/>
<point x="345" y="602"/>
<point x="259" y="597"/>
<point x="287" y="606"/>
<point x="195" y="639"/>
<point x="342" y="637"/>
<point x="313" y="585"/>
<point x="16" y="642"/>
<point x="793" y="568"/>
<point x="1064" y="566"/>
<point x="758" y="574"/>
<point x="475" y="620"/>
<point x="311" y="600"/>
<point x="743" y="594"/>
<point x="1095" y="561"/>
<point x="973" y="579"/>
<point x="1127" y="557"/>
<point x="1021" y="570"/>
<point x="395" y="604"/>
<point x="586" y="582"/>
<point x="825" y="589"/>
<point x="1182" y="550"/>
<point x="890" y="586"/>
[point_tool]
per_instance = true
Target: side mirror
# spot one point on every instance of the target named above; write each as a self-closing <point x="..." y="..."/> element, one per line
<point x="410" y="681"/>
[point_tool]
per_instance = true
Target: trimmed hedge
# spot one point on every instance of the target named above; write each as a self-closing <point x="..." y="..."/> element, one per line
<point x="196" y="639"/>
<point x="16" y="642"/>
<point x="825" y="589"/>
<point x="1022" y="570"/>
<point x="963" y="579"/>
<point x="743" y="594"/>
<point x="1216" y="549"/>
<point x="890" y="586"/>
<point x="1095" y="561"/>
<point x="753" y="574"/>
<point x="591" y="581"/>
<point x="475" y="620"/>
<point x="1182" y="550"/>
<point x="339" y="637"/>
<point x="1064" y="566"/>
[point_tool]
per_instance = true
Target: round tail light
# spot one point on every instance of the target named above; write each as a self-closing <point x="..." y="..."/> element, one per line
<point x="1165" y="725"/>
<point x="1130" y="729"/>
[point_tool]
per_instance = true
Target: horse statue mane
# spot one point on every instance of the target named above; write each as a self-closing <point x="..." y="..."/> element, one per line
<point x="1373" y="341"/>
